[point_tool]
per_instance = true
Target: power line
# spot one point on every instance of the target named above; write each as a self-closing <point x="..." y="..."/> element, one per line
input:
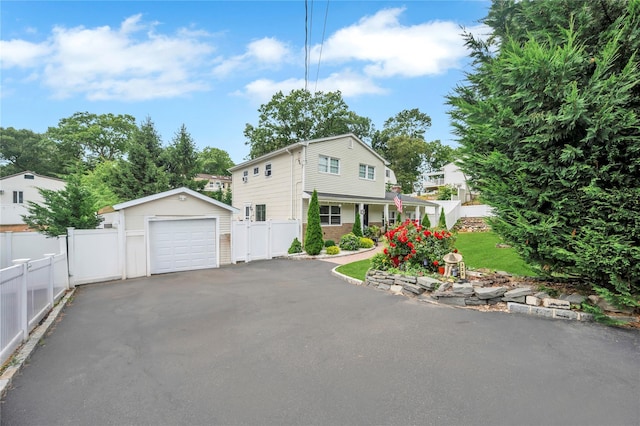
<point x="324" y="29"/>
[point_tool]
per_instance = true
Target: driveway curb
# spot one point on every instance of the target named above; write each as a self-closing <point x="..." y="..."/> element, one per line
<point x="18" y="359"/>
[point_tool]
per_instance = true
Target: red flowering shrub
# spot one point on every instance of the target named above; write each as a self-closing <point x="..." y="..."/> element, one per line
<point x="411" y="244"/>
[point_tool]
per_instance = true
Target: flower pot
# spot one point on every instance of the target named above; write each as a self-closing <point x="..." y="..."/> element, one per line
<point x="441" y="270"/>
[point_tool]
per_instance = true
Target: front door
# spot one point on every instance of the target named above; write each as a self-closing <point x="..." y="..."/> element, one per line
<point x="365" y="216"/>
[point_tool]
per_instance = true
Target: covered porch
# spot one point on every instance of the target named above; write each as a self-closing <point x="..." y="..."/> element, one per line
<point x="338" y="212"/>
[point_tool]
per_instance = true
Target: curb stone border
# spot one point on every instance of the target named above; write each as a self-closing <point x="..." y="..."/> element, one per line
<point x="512" y="307"/>
<point x="19" y="358"/>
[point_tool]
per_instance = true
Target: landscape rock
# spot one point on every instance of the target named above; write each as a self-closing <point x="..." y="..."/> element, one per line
<point x="574" y="299"/>
<point x="465" y="289"/>
<point x="413" y="288"/>
<point x="396" y="289"/>
<point x="428" y="283"/>
<point x="532" y="300"/>
<point x="490" y="292"/>
<point x="556" y="303"/>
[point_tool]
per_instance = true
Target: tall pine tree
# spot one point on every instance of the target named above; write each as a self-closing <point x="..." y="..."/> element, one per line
<point x="549" y="124"/>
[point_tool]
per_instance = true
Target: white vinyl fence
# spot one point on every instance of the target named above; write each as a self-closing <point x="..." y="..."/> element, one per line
<point x="28" y="291"/>
<point x="94" y="255"/>
<point x="262" y="240"/>
<point x="28" y="245"/>
<point x="479" y="210"/>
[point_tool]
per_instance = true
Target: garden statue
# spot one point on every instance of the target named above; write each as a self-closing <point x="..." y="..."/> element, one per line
<point x="451" y="264"/>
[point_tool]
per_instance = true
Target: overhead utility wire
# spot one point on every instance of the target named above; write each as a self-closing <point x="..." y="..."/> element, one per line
<point x="324" y="29"/>
<point x="306" y="45"/>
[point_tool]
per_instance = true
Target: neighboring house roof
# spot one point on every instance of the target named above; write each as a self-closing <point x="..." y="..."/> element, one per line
<point x="173" y="192"/>
<point x="305" y="143"/>
<point x="27" y="172"/>
<point x="218" y="177"/>
<point x="388" y="198"/>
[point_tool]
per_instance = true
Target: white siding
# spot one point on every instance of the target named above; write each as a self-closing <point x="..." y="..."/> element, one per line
<point x="280" y="192"/>
<point x="11" y="213"/>
<point x="351" y="154"/>
<point x="171" y="207"/>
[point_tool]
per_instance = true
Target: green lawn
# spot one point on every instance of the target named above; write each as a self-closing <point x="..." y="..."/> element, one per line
<point x="478" y="250"/>
<point x="355" y="270"/>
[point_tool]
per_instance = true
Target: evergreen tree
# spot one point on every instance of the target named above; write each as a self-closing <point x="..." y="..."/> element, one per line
<point x="313" y="240"/>
<point x="549" y="124"/>
<point x="442" y="222"/>
<point x="72" y="207"/>
<point x="142" y="173"/>
<point x="426" y="223"/>
<point x="357" y="225"/>
<point x="181" y="161"/>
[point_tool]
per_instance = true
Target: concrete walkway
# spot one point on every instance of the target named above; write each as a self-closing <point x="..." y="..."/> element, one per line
<point x="342" y="260"/>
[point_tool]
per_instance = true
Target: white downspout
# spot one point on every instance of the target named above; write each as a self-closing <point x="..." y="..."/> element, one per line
<point x="304" y="173"/>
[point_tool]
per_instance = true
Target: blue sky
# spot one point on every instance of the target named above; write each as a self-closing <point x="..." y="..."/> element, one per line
<point x="210" y="64"/>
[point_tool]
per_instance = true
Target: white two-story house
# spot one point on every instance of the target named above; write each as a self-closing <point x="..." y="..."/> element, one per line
<point x="449" y="175"/>
<point x="349" y="176"/>
<point x="15" y="193"/>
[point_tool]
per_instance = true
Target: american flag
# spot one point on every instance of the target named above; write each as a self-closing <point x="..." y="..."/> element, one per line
<point x="398" y="202"/>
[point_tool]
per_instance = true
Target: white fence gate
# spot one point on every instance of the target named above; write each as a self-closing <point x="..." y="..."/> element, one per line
<point x="94" y="255"/>
<point x="262" y="240"/>
<point x="28" y="291"/>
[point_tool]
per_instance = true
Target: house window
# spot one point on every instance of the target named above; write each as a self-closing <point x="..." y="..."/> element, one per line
<point x="256" y="171"/>
<point x="267" y="170"/>
<point x="18" y="197"/>
<point x="245" y="176"/>
<point x="29" y="177"/>
<point x="367" y="172"/>
<point x="329" y="165"/>
<point x="261" y="212"/>
<point x="387" y="173"/>
<point x="330" y="215"/>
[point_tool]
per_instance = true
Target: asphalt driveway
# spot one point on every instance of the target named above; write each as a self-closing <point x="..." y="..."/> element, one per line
<point x="284" y="342"/>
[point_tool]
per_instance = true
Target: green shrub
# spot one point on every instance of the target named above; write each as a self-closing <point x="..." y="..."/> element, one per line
<point x="357" y="227"/>
<point x="445" y="192"/>
<point x="296" y="246"/>
<point x="366" y="242"/>
<point x="381" y="262"/>
<point x="329" y="243"/>
<point x="442" y="223"/>
<point x="372" y="232"/>
<point x="426" y="223"/>
<point x="313" y="240"/>
<point x="333" y="250"/>
<point x="411" y="245"/>
<point x="350" y="242"/>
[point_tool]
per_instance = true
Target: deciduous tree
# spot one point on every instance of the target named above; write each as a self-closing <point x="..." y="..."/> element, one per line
<point x="301" y="116"/>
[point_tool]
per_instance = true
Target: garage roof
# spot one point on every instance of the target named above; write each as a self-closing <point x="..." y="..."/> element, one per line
<point x="171" y="193"/>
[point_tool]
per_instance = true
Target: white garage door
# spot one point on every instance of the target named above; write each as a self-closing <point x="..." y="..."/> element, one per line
<point x="182" y="245"/>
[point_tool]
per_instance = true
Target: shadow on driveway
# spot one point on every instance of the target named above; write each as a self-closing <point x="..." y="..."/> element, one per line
<point x="285" y="342"/>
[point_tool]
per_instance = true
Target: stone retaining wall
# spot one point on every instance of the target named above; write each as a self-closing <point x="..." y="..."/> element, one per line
<point x="478" y="291"/>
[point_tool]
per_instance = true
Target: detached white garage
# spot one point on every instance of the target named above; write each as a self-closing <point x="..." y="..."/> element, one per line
<point x="177" y="230"/>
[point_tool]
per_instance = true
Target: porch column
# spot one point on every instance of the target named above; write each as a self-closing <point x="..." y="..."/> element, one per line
<point x="418" y="217"/>
<point x="386" y="216"/>
<point x="359" y="212"/>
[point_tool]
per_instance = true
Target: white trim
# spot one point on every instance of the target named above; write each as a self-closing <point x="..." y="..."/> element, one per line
<point x="147" y="235"/>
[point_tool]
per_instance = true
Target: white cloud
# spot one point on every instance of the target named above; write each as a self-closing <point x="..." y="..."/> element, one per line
<point x="349" y="83"/>
<point x="21" y="54"/>
<point x="264" y="53"/>
<point x="131" y="62"/>
<point x="388" y="49"/>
